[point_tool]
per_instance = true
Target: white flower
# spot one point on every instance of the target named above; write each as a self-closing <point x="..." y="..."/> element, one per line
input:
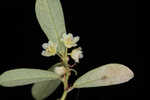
<point x="60" y="70"/>
<point x="77" y="54"/>
<point x="50" y="49"/>
<point x="69" y="40"/>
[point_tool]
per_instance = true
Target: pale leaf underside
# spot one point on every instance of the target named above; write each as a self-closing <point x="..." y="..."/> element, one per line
<point x="106" y="75"/>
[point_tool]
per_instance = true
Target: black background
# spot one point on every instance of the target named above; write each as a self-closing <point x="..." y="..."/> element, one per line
<point x="108" y="34"/>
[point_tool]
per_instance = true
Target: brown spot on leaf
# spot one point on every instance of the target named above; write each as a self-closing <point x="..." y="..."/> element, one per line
<point x="104" y="77"/>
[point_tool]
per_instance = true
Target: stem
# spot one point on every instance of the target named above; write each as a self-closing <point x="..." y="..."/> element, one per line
<point x="64" y="95"/>
<point x="64" y="58"/>
<point x="66" y="77"/>
<point x="66" y="52"/>
<point x="65" y="87"/>
<point x="60" y="56"/>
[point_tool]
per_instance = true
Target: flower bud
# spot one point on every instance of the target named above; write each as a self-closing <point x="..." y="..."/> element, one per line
<point x="60" y="70"/>
<point x="77" y="54"/>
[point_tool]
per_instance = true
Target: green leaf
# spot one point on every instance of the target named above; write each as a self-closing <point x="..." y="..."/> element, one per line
<point x="42" y="90"/>
<point x="24" y="76"/>
<point x="105" y="75"/>
<point x="51" y="19"/>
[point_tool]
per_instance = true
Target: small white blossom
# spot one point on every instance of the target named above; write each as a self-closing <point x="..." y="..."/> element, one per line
<point x="69" y="40"/>
<point x="50" y="49"/>
<point x="60" y="70"/>
<point x="77" y="54"/>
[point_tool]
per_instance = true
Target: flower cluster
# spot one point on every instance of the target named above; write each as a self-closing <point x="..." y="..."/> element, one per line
<point x="50" y="48"/>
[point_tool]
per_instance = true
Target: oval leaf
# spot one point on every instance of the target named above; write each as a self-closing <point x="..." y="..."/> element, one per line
<point x="42" y="90"/>
<point x="23" y="76"/>
<point x="50" y="16"/>
<point x="106" y="75"/>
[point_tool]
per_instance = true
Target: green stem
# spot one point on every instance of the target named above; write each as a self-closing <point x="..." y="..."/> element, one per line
<point x="65" y="82"/>
<point x="65" y="86"/>
<point x="66" y="52"/>
<point x="64" y="95"/>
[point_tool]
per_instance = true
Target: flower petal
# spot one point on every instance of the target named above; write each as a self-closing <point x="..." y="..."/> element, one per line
<point x="45" y="45"/>
<point x="45" y="53"/>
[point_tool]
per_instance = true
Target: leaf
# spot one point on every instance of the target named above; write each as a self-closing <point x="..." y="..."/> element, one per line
<point x="42" y="90"/>
<point x="24" y="76"/>
<point x="105" y="75"/>
<point x="51" y="19"/>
